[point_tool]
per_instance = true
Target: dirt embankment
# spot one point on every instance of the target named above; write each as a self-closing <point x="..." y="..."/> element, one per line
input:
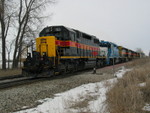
<point x="10" y="72"/>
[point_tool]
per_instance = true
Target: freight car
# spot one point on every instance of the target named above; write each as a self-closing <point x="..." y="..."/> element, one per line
<point x="60" y="49"/>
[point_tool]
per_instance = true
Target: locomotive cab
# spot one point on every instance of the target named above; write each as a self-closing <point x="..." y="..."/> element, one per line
<point x="63" y="36"/>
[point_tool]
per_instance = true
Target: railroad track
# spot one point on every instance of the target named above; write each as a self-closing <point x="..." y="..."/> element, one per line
<point x="12" y="81"/>
<point x="17" y="82"/>
<point x="10" y="77"/>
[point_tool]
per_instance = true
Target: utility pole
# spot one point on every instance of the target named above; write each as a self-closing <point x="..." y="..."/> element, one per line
<point x="113" y="60"/>
<point x="94" y="70"/>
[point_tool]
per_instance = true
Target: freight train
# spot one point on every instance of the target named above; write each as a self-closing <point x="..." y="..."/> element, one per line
<point x="60" y="49"/>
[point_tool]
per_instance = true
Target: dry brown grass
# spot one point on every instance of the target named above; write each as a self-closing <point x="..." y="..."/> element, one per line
<point x="127" y="96"/>
<point x="80" y="104"/>
<point x="10" y="72"/>
<point x="146" y="91"/>
<point x="137" y="62"/>
<point x="83" y="103"/>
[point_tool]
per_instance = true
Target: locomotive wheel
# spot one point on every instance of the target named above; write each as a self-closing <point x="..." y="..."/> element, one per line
<point x="51" y="73"/>
<point x="25" y="73"/>
<point x="64" y="71"/>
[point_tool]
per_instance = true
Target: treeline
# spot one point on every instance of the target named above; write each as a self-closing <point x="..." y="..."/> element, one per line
<point x="20" y="21"/>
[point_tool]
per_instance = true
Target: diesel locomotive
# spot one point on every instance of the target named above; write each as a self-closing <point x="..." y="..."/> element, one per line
<point x="60" y="49"/>
<point x="117" y="54"/>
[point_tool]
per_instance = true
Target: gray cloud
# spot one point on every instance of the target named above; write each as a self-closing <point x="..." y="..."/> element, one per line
<point x="125" y="22"/>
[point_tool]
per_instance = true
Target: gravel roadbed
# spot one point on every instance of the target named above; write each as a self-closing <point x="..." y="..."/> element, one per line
<point x="14" y="99"/>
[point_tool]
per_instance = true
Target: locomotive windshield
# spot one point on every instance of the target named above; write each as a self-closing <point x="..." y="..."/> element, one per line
<point x="59" y="32"/>
<point x="49" y="31"/>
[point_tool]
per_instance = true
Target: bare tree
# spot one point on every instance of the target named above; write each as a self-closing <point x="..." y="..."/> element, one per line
<point x="139" y="50"/>
<point x="9" y="46"/>
<point x="5" y="18"/>
<point x="3" y="32"/>
<point x="29" y="18"/>
<point x="0" y="54"/>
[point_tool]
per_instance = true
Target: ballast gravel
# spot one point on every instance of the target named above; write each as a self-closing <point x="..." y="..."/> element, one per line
<point x="27" y="96"/>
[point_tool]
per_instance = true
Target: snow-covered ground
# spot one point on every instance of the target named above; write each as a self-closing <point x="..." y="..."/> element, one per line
<point x="85" y="98"/>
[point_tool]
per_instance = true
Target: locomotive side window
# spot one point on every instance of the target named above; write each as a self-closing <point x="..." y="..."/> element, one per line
<point x="86" y="36"/>
<point x="72" y="35"/>
<point x="78" y="34"/>
<point x="96" y="41"/>
<point x="47" y="30"/>
<point x="57" y="34"/>
<point x="65" y="36"/>
<point x="57" y="29"/>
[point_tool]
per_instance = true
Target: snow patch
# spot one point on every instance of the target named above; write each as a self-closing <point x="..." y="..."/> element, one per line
<point x="121" y="72"/>
<point x="142" y="84"/>
<point x="65" y="102"/>
<point x="146" y="107"/>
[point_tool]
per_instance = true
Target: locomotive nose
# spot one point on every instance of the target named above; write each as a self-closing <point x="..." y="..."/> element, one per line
<point x="46" y="45"/>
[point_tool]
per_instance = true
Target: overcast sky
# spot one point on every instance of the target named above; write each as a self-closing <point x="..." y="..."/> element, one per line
<point x="125" y="22"/>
